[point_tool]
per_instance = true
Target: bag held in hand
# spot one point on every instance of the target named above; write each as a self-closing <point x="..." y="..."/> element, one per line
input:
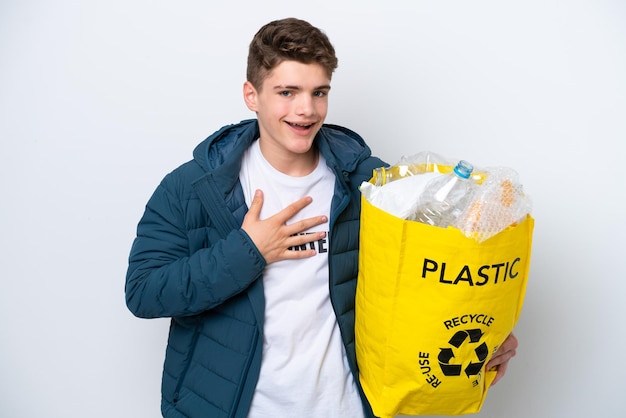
<point x="432" y="307"/>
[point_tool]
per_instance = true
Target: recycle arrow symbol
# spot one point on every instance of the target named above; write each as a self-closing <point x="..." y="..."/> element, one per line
<point x="460" y="337"/>
<point x="481" y="351"/>
<point x="446" y="354"/>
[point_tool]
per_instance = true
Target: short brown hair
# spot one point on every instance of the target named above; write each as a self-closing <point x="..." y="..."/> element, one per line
<point x="288" y="39"/>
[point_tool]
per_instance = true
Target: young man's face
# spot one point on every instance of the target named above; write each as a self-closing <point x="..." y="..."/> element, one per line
<point x="291" y="107"/>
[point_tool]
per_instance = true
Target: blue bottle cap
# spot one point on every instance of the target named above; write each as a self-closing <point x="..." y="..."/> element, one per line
<point x="463" y="169"/>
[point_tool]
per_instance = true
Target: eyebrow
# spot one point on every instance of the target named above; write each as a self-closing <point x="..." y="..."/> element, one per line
<point x="288" y="87"/>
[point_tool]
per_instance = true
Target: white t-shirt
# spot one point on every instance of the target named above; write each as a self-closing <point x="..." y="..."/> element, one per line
<point x="304" y="370"/>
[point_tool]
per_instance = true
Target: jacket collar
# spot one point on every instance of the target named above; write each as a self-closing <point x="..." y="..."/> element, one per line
<point x="221" y="152"/>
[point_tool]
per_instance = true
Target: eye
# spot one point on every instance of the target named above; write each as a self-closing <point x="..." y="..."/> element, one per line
<point x="320" y="93"/>
<point x="285" y="93"/>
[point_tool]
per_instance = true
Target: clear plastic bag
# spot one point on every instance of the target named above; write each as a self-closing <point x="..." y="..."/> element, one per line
<point x="498" y="201"/>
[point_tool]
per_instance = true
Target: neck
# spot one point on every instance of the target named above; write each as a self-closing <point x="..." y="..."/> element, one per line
<point x="291" y="164"/>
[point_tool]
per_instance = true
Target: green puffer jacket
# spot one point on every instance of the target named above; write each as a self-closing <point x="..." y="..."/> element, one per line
<point x="191" y="261"/>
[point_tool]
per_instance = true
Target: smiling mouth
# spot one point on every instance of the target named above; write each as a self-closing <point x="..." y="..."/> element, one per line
<point x="300" y="125"/>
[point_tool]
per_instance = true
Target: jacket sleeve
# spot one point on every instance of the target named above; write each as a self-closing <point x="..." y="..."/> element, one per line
<point x="165" y="280"/>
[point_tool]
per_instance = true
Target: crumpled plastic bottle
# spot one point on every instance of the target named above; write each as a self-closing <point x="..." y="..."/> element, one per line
<point x="445" y="197"/>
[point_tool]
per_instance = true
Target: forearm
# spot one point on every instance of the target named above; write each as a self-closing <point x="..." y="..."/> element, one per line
<point x="164" y="283"/>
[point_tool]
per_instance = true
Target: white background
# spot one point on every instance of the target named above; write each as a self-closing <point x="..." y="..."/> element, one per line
<point x="100" y="99"/>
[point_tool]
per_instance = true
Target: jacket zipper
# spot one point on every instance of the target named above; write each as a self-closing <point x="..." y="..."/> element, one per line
<point x="245" y="373"/>
<point x="341" y="206"/>
<point x="179" y="384"/>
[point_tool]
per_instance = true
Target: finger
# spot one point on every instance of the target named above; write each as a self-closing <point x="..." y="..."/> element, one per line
<point x="305" y="224"/>
<point x="506" y="351"/>
<point x="291" y="210"/>
<point x="501" y="371"/>
<point x="500" y="357"/>
<point x="256" y="204"/>
<point x="298" y="254"/>
<point x="301" y="246"/>
<point x="302" y="241"/>
<point x="510" y="343"/>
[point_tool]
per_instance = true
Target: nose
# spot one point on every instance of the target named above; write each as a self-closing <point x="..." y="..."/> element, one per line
<point x="304" y="105"/>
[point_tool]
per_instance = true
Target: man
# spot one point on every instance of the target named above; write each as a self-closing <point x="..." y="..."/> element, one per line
<point x="251" y="248"/>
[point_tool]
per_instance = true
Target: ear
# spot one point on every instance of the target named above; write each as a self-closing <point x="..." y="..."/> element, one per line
<point x="250" y="96"/>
